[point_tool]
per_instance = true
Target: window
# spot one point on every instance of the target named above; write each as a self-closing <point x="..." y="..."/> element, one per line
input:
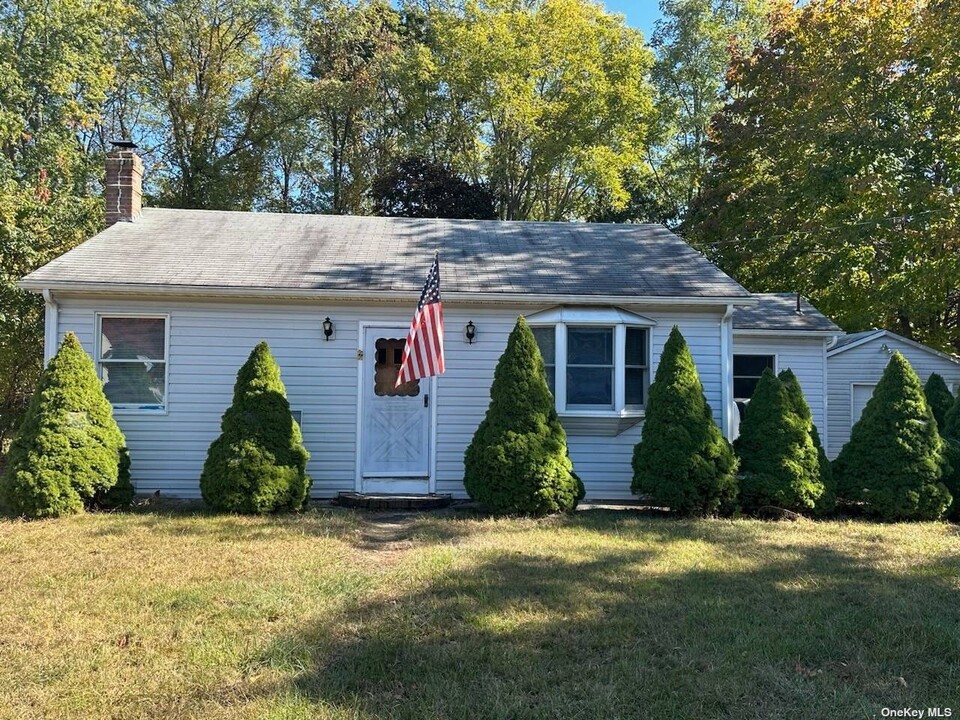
<point x="386" y="370"/>
<point x="635" y="367"/>
<point x="590" y="368"/>
<point x="547" y="342"/>
<point x="132" y="362"/>
<point x="595" y="368"/>
<point x="747" y="370"/>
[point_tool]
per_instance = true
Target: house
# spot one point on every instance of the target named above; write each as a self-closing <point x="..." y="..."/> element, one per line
<point x="854" y="366"/>
<point x="170" y="302"/>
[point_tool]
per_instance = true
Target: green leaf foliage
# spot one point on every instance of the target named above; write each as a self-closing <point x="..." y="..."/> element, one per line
<point x="833" y="165"/>
<point x="779" y="463"/>
<point x="417" y="187"/>
<point x="939" y="398"/>
<point x="259" y="463"/>
<point x="682" y="460"/>
<point x="517" y="461"/>
<point x="894" y="461"/>
<point x="56" y="73"/>
<point x="951" y="424"/>
<point x="69" y="451"/>
<point x="828" y="500"/>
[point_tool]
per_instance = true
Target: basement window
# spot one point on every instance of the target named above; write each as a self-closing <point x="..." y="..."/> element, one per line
<point x="132" y="361"/>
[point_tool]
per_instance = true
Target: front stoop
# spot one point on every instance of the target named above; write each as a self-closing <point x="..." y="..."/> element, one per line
<point x="380" y="501"/>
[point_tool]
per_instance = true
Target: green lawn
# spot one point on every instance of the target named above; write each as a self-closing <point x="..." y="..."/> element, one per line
<point x="334" y="614"/>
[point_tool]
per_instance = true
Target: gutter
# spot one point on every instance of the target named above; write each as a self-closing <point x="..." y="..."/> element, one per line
<point x="51" y="325"/>
<point x="726" y="371"/>
<point x="375" y="296"/>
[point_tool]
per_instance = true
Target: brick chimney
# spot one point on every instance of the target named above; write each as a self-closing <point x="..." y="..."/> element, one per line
<point x="123" y="185"/>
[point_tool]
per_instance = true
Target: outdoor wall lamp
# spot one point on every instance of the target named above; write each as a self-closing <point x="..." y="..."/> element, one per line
<point x="470" y="332"/>
<point x="327" y="329"/>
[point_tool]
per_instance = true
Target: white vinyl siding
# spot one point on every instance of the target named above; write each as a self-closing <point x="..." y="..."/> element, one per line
<point x="209" y="341"/>
<point x="863" y="366"/>
<point x="805" y="356"/>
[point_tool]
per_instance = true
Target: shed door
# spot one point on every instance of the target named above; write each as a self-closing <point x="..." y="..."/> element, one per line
<point x="396" y="420"/>
<point x="861" y="396"/>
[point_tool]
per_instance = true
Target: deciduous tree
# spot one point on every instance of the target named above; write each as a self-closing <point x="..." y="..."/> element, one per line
<point x="833" y="168"/>
<point x="417" y="187"/>
<point x="56" y="72"/>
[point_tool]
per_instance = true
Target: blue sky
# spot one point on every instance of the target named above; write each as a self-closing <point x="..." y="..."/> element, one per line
<point x="640" y="13"/>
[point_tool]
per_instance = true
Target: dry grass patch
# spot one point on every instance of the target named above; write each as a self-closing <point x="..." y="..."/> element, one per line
<point x="342" y="615"/>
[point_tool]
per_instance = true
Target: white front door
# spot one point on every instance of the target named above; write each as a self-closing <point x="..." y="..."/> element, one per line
<point x="395" y="421"/>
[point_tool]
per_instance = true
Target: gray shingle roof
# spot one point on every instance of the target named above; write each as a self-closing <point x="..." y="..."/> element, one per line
<point x="778" y="311"/>
<point x="214" y="249"/>
<point x="853" y="337"/>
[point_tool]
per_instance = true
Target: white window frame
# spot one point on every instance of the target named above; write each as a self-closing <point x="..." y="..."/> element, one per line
<point x="127" y="408"/>
<point x="853" y="400"/>
<point x="734" y="376"/>
<point x="619" y="320"/>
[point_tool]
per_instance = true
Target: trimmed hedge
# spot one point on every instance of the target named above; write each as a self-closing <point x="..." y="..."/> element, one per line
<point x="69" y="452"/>
<point x="517" y="462"/>
<point x="682" y="460"/>
<point x="939" y="398"/>
<point x="894" y="462"/>
<point x="778" y="461"/>
<point x="259" y="463"/>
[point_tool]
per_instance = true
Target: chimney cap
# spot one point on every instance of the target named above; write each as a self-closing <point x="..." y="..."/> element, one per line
<point x="123" y="144"/>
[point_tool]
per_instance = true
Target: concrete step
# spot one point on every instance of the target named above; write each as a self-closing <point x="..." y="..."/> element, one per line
<point x="382" y="501"/>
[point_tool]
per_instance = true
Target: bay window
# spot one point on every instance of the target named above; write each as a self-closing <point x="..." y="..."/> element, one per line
<point x="132" y="361"/>
<point x="590" y="367"/>
<point x="596" y="359"/>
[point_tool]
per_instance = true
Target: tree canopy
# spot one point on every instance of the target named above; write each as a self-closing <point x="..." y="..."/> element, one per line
<point x="834" y="166"/>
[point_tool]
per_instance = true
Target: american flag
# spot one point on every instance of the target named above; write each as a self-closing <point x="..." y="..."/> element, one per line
<point x="423" y="351"/>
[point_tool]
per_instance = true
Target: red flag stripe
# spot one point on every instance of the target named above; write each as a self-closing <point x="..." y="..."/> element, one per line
<point x="423" y="350"/>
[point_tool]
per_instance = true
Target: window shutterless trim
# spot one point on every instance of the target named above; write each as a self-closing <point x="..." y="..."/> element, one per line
<point x="619" y="409"/>
<point x="137" y="408"/>
<point x="735" y="377"/>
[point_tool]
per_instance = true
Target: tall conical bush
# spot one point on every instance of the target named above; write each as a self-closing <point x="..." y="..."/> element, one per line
<point x="259" y="463"/>
<point x="779" y="466"/>
<point x="828" y="500"/>
<point x="682" y="460"/>
<point x="69" y="452"/>
<point x="951" y="421"/>
<point x="951" y="435"/>
<point x="517" y="461"/>
<point x="939" y="398"/>
<point x="894" y="461"/>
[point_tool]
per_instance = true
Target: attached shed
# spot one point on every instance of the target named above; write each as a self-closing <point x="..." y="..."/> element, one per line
<point x="782" y="331"/>
<point x="854" y="366"/>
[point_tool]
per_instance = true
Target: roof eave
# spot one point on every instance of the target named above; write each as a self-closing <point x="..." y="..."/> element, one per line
<point x="35" y="285"/>
<point x="889" y="333"/>
<point x="793" y="332"/>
